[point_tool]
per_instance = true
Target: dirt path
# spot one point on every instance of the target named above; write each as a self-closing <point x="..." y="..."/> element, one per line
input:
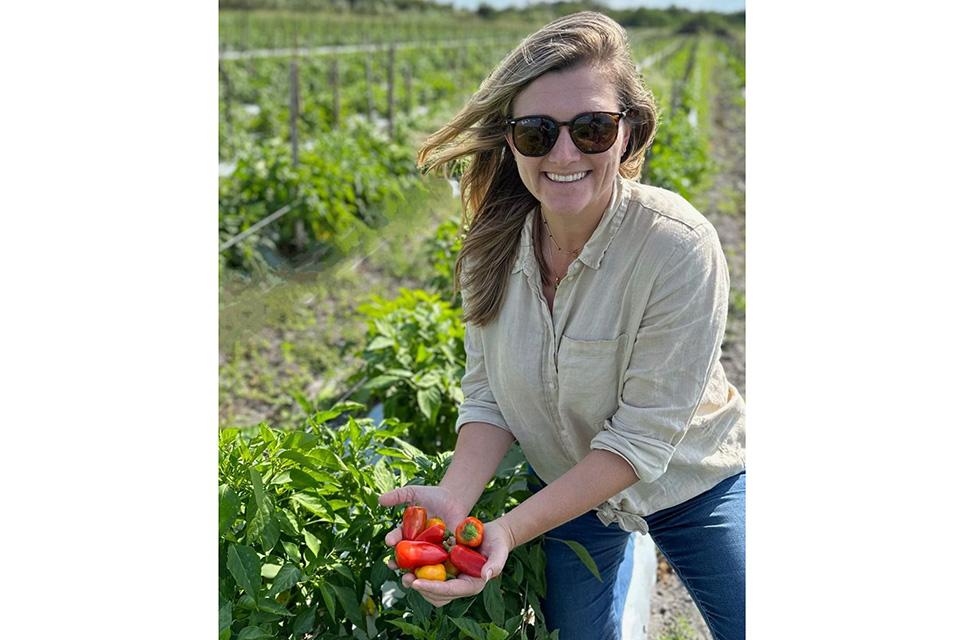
<point x="673" y="613"/>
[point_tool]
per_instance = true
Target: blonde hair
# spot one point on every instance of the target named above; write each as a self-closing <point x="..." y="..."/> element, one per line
<point x="495" y="200"/>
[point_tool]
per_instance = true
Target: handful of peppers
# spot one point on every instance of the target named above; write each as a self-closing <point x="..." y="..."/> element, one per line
<point x="424" y="551"/>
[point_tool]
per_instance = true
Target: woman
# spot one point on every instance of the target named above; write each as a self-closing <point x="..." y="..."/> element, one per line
<point x="595" y="308"/>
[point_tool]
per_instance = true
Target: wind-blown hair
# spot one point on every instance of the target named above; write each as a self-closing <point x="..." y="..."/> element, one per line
<point x="495" y="200"/>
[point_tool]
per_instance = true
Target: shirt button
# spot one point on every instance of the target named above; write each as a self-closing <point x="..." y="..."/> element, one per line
<point x="551" y="385"/>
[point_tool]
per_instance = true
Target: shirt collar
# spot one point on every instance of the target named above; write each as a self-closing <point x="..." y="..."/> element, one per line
<point x="596" y="247"/>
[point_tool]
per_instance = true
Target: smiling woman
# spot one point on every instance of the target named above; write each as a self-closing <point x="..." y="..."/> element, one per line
<point x="595" y="307"/>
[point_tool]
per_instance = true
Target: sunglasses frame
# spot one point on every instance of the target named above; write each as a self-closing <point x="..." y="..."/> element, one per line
<point x="511" y="123"/>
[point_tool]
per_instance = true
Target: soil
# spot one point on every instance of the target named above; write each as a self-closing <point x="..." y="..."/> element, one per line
<point x="672" y="610"/>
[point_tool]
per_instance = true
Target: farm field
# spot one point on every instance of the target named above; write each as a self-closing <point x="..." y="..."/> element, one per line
<point x="341" y="345"/>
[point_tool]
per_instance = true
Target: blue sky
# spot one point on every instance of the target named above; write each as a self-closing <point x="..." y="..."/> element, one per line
<point x="727" y="6"/>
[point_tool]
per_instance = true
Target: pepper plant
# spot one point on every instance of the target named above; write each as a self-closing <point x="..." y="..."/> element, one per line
<point x="301" y="545"/>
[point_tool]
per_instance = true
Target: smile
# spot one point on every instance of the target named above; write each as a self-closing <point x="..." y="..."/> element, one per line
<point x="566" y="177"/>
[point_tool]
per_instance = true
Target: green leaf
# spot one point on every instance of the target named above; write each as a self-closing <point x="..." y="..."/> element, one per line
<point x="287" y="522"/>
<point x="584" y="556"/>
<point x="459" y="607"/>
<point x="380" y="342"/>
<point x="299" y="440"/>
<point x="328" y="600"/>
<point x="422" y="353"/>
<point x="244" y="565"/>
<point x="493" y="601"/>
<point x="496" y="633"/>
<point x="226" y="615"/>
<point x="292" y="551"/>
<point x="269" y="605"/>
<point x="383" y="477"/>
<point x="254" y="633"/>
<point x="266" y="434"/>
<point x="313" y="544"/>
<point x="470" y="627"/>
<point x="261" y="498"/>
<point x="348" y="599"/>
<point x="344" y="571"/>
<point x="229" y="508"/>
<point x="419" y="606"/>
<point x="304" y="620"/>
<point x="287" y="577"/>
<point x="263" y="527"/>
<point x="225" y="634"/>
<point x="302" y="458"/>
<point x="269" y="571"/>
<point x="379" y="382"/>
<point x="429" y="401"/>
<point x="379" y="574"/>
<point x="409" y="629"/>
<point x="315" y="505"/>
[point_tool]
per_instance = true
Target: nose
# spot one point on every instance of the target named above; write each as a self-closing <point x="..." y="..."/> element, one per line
<point x="564" y="151"/>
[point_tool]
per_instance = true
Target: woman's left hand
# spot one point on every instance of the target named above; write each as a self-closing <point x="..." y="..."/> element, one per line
<point x="497" y="545"/>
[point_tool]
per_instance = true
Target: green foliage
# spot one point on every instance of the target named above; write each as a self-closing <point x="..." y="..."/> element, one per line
<point x="678" y="157"/>
<point x="414" y="360"/>
<point x="335" y="192"/>
<point x="443" y="248"/>
<point x="301" y="537"/>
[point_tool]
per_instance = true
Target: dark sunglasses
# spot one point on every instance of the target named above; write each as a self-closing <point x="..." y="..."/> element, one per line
<point x="591" y="132"/>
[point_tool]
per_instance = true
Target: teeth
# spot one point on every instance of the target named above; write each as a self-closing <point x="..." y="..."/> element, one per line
<point x="569" y="177"/>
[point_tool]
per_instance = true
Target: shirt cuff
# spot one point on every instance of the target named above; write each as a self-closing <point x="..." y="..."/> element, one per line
<point x="648" y="457"/>
<point x="472" y="410"/>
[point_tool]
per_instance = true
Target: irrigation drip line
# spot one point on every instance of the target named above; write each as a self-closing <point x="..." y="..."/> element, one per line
<point x="327" y="50"/>
<point x="243" y="235"/>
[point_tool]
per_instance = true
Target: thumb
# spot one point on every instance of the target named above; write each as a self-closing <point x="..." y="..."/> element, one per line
<point x="494" y="564"/>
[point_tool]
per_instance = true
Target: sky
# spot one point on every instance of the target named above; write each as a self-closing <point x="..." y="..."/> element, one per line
<point x="725" y="6"/>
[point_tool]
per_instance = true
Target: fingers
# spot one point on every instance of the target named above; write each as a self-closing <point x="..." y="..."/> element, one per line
<point x="446" y="591"/>
<point x="398" y="496"/>
<point x="394" y="537"/>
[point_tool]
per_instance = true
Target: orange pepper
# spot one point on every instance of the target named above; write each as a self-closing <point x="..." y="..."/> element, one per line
<point x="433" y="521"/>
<point x="432" y="572"/>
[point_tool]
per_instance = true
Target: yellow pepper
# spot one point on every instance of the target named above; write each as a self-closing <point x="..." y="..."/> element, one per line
<point x="432" y="572"/>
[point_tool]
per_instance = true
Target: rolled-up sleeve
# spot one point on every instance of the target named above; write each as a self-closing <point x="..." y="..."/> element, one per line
<point x="479" y="404"/>
<point x="676" y="347"/>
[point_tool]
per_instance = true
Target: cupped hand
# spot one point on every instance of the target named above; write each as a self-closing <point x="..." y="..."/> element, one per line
<point x="497" y="545"/>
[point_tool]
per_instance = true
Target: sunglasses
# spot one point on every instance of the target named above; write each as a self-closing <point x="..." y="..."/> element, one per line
<point x="591" y="132"/>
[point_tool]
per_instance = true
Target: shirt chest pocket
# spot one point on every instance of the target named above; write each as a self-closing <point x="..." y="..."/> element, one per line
<point x="588" y="372"/>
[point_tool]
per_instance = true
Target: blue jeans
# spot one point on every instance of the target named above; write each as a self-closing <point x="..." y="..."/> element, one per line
<point x="703" y="539"/>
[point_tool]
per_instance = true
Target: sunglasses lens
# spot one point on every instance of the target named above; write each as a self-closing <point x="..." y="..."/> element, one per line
<point x="594" y="132"/>
<point x="534" y="136"/>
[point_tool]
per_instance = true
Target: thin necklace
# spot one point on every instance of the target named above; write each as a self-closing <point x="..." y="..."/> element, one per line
<point x="557" y="279"/>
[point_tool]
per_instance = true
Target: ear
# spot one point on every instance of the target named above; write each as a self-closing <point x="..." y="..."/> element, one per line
<point x="509" y="139"/>
<point x="625" y="145"/>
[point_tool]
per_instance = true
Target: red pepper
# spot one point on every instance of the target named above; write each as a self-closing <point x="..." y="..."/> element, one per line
<point x="470" y="532"/>
<point x="411" y="554"/>
<point x="414" y="521"/>
<point x="434" y="534"/>
<point x="467" y="560"/>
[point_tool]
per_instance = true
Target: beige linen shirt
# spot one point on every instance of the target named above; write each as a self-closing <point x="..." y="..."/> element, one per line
<point x="628" y="362"/>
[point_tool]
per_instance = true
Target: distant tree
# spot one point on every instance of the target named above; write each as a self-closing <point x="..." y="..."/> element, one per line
<point x="486" y="11"/>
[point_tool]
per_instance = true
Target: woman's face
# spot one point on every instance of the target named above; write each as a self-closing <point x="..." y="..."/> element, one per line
<point x="563" y="95"/>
